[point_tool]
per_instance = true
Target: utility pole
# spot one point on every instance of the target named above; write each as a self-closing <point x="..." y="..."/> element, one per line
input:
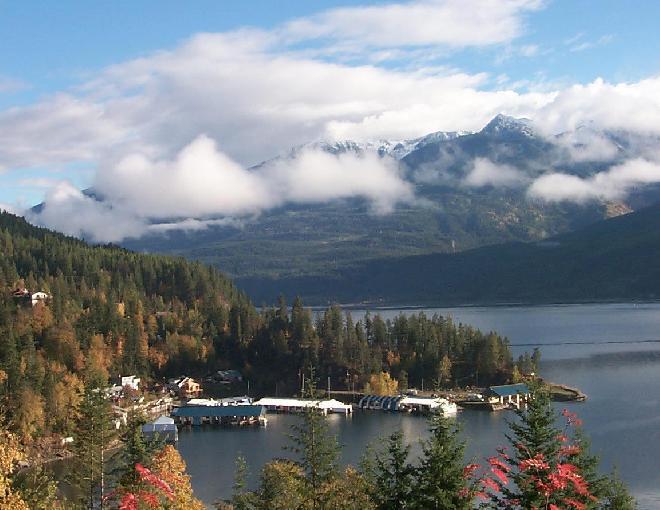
<point x="328" y="386"/>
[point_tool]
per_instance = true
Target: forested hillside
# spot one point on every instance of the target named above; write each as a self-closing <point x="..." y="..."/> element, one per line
<point x="111" y="312"/>
<point x="615" y="259"/>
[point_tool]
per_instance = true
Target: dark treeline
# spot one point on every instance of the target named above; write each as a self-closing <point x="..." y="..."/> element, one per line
<point x="112" y="312"/>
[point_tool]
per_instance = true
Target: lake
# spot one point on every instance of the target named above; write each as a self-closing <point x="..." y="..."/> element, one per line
<point x="610" y="351"/>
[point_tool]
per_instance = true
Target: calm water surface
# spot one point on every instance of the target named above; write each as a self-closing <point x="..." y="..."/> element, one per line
<point x="611" y="352"/>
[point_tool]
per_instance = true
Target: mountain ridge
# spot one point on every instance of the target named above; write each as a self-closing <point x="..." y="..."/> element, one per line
<point x="615" y="259"/>
<point x="450" y="213"/>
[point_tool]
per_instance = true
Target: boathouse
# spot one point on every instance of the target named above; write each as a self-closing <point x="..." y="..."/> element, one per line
<point x="407" y="403"/>
<point x="220" y="415"/>
<point x="163" y="429"/>
<point x="294" y="405"/>
<point x="508" y="394"/>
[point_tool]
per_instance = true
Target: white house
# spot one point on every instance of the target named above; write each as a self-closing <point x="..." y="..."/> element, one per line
<point x="131" y="381"/>
<point x="39" y="297"/>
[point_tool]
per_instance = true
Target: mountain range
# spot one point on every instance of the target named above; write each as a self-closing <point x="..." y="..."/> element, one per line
<point x="471" y="190"/>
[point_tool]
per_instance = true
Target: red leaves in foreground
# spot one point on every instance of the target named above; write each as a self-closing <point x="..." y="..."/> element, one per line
<point x="146" y="497"/>
<point x="556" y="479"/>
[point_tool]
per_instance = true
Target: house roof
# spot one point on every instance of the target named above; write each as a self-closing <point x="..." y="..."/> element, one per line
<point x="152" y="428"/>
<point x="163" y="420"/>
<point x="219" y="411"/>
<point x="509" y="389"/>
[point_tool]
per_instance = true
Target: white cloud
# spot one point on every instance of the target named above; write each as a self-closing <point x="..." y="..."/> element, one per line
<point x="586" y="144"/>
<point x="529" y="50"/>
<point x="140" y="193"/>
<point x="40" y="182"/>
<point x="454" y="23"/>
<point x="577" y="44"/>
<point x="61" y="129"/>
<point x="613" y="184"/>
<point x="486" y="173"/>
<point x="8" y="208"/>
<point x="316" y="176"/>
<point x="68" y="210"/>
<point x="615" y="106"/>
<point x="192" y="224"/>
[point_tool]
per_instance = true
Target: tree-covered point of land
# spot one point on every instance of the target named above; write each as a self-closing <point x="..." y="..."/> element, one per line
<point x="113" y="312"/>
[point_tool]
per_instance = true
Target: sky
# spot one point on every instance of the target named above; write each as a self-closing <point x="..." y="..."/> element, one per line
<point x="163" y="106"/>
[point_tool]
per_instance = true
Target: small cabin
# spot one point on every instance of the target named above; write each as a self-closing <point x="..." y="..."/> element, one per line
<point x="39" y="297"/>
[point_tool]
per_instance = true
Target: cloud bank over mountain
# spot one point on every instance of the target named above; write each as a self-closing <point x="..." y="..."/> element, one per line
<point x="171" y="134"/>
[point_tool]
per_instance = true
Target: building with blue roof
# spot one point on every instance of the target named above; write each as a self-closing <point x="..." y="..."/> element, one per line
<point x="220" y="415"/>
<point x="508" y="394"/>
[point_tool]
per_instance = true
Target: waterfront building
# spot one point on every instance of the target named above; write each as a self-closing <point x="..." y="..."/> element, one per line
<point x="508" y="394"/>
<point x="220" y="415"/>
<point x="162" y="429"/>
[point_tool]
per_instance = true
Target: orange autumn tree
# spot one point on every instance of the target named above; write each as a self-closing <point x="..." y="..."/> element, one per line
<point x="171" y="468"/>
<point x="10" y="455"/>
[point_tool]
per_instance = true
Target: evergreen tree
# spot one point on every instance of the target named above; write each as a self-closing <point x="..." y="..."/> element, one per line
<point x="136" y="449"/>
<point x="440" y="482"/>
<point x="317" y="449"/>
<point x="549" y="468"/>
<point x="393" y="476"/>
<point x="617" y="496"/>
<point x="95" y="432"/>
<point x="242" y="499"/>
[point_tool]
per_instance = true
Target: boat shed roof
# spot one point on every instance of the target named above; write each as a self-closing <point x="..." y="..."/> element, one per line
<point x="509" y="389"/>
<point x="219" y="411"/>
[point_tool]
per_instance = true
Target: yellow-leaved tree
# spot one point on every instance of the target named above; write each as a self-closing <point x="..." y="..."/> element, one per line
<point x="382" y="384"/>
<point x="171" y="468"/>
<point x="10" y="454"/>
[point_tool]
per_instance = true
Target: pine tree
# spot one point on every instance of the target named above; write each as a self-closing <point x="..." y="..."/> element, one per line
<point x="393" y="476"/>
<point x="617" y="496"/>
<point x="317" y="448"/>
<point x="136" y="449"/>
<point x="440" y="483"/>
<point x="95" y="432"/>
<point x="241" y="499"/>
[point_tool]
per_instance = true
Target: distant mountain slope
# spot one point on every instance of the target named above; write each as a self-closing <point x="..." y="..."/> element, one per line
<point x="453" y="210"/>
<point x="450" y="215"/>
<point x="614" y="259"/>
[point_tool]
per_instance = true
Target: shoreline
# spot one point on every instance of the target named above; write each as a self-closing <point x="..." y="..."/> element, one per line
<point x="384" y="306"/>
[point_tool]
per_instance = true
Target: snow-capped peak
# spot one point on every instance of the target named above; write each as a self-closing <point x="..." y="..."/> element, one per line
<point x="506" y="124"/>
<point x="397" y="149"/>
